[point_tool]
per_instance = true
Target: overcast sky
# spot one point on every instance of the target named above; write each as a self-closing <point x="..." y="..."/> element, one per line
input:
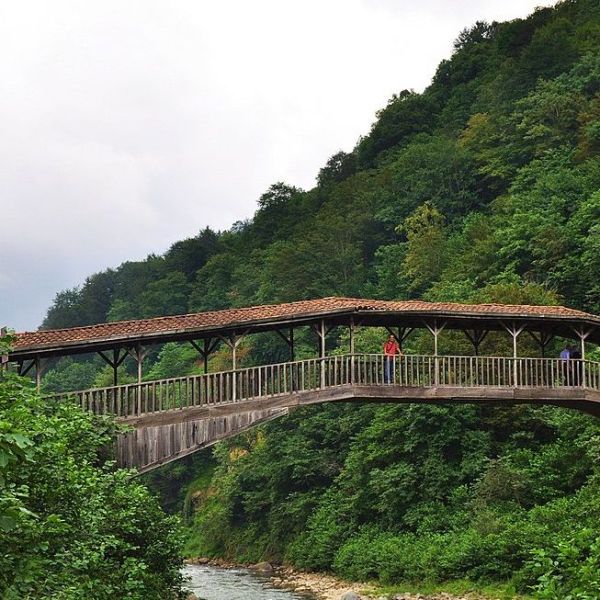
<point x="128" y="125"/>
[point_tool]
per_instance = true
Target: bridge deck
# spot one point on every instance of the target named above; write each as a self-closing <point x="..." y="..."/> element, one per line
<point x="492" y="378"/>
<point x="172" y="418"/>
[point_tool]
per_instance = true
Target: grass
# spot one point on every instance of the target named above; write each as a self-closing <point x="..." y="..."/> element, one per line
<point x="495" y="591"/>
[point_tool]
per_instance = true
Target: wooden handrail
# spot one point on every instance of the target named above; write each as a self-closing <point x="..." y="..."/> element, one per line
<point x="347" y="369"/>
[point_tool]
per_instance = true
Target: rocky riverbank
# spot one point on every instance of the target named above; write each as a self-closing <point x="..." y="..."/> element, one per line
<point x="327" y="587"/>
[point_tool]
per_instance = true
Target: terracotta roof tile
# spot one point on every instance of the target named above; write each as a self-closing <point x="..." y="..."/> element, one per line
<point x="234" y="317"/>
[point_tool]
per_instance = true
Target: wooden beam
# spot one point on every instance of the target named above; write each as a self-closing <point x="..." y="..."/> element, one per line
<point x="138" y="353"/>
<point x="435" y="331"/>
<point x="476" y="337"/>
<point x="3" y="357"/>
<point x="116" y="361"/>
<point x="40" y="367"/>
<point x="233" y="342"/>
<point x="210" y="345"/>
<point x="514" y="332"/>
<point x="288" y="339"/>
<point x="543" y="339"/>
<point x="23" y="370"/>
<point x="582" y="334"/>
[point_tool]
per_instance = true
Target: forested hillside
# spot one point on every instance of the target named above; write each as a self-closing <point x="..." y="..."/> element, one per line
<point x="485" y="187"/>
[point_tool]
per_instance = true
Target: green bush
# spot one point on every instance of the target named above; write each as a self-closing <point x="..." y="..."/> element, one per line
<point x="73" y="526"/>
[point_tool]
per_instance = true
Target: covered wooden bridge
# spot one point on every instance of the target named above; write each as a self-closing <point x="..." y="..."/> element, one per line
<point x="172" y="418"/>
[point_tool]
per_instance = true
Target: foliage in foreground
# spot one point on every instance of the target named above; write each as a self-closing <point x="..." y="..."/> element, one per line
<point x="71" y="525"/>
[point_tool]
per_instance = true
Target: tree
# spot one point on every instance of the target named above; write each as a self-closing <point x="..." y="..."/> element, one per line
<point x="166" y="296"/>
<point x="73" y="526"/>
<point x="277" y="214"/>
<point x="338" y="168"/>
<point x="405" y="115"/>
<point x="425" y="247"/>
<point x="187" y="256"/>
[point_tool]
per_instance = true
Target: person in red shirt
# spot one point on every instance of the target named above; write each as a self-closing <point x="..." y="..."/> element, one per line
<point x="391" y="348"/>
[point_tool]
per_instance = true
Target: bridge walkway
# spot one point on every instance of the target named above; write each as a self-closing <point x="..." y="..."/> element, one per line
<point x="174" y="417"/>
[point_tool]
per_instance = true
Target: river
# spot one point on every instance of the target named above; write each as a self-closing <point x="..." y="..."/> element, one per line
<point x="212" y="583"/>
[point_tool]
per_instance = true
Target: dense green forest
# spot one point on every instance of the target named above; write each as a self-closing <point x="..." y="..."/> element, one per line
<point x="483" y="188"/>
<point x="71" y="525"/>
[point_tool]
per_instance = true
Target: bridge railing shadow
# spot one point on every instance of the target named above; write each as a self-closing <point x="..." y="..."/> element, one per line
<point x="213" y="389"/>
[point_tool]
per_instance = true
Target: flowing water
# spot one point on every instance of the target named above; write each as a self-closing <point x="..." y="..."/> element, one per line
<point x="212" y="583"/>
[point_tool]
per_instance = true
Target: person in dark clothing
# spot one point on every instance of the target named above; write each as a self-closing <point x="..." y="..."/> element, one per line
<point x="565" y="357"/>
<point x="576" y="366"/>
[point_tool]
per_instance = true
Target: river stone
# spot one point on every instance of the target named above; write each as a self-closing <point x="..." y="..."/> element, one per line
<point x="262" y="567"/>
<point x="350" y="596"/>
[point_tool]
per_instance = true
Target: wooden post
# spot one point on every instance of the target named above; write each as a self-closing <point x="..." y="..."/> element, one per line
<point x="322" y="350"/>
<point x="40" y="367"/>
<point x="476" y="337"/>
<point x="435" y="332"/>
<point x="138" y="353"/>
<point x="543" y="339"/>
<point x="115" y="362"/>
<point x="232" y="342"/>
<point x="3" y="357"/>
<point x="352" y="359"/>
<point x="115" y="366"/>
<point x="23" y="370"/>
<point x="583" y="335"/>
<point x="514" y="332"/>
<point x="209" y="347"/>
<point x="288" y="339"/>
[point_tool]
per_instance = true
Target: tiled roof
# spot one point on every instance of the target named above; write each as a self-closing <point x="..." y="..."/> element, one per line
<point x="239" y="317"/>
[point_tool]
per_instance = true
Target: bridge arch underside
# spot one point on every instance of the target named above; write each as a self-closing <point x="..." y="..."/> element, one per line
<point x="156" y="439"/>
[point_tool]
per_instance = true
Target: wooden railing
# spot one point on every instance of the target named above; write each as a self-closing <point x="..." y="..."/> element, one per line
<point x="320" y="373"/>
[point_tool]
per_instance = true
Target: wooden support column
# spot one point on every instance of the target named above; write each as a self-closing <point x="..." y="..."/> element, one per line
<point x="322" y="335"/>
<point x="514" y="332"/>
<point x="352" y="358"/>
<point x="138" y="353"/>
<point x="543" y="338"/>
<point x="40" y="367"/>
<point x="3" y="357"/>
<point x="289" y="340"/>
<point x="583" y="334"/>
<point x="116" y="361"/>
<point x="233" y="342"/>
<point x="476" y="336"/>
<point x="321" y="332"/>
<point x="24" y="368"/>
<point x="435" y="331"/>
<point x="39" y="364"/>
<point x="209" y="346"/>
